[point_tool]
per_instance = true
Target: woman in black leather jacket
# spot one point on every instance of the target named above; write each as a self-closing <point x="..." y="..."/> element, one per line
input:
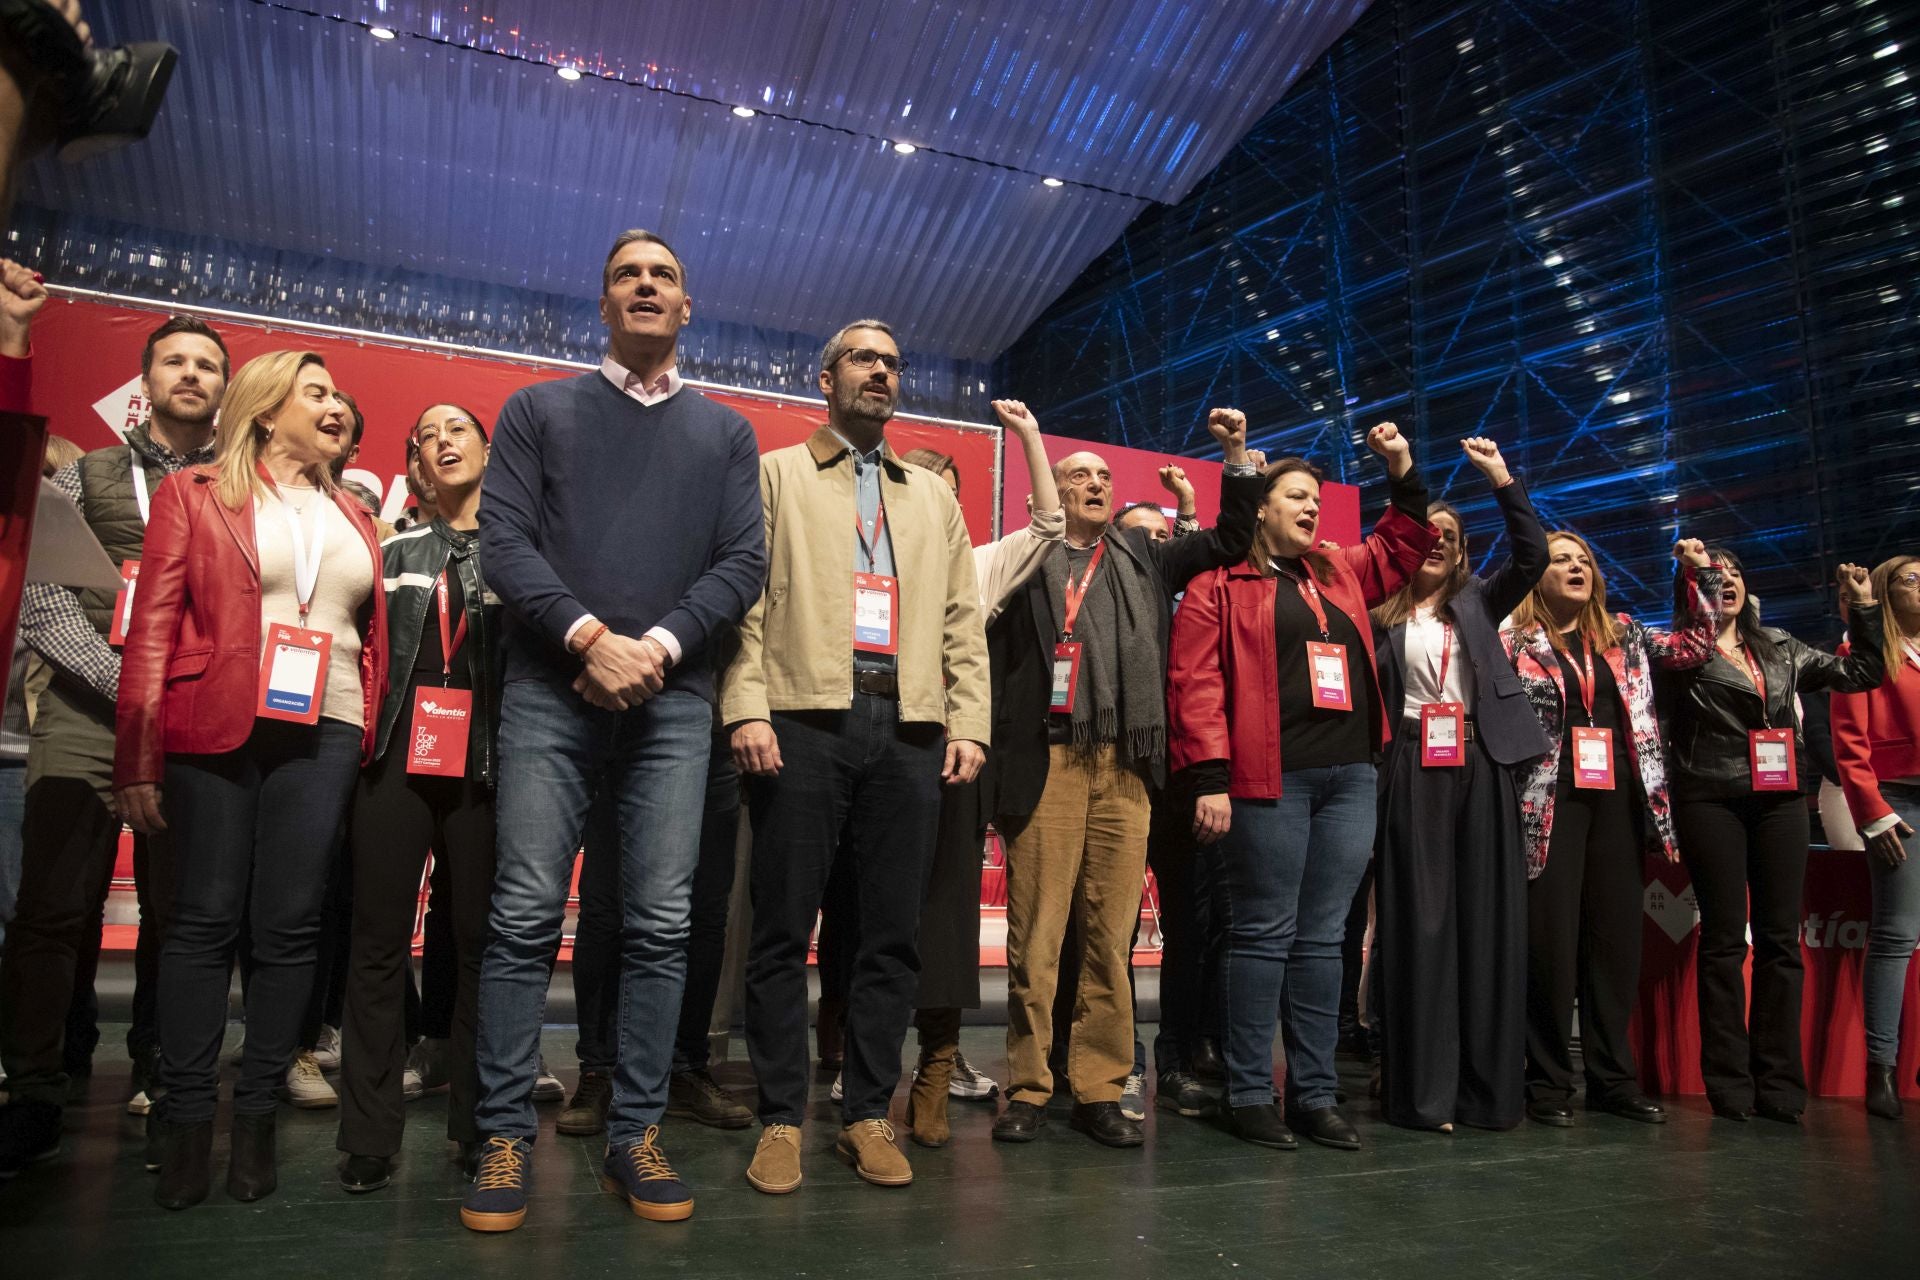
<point x="1733" y="743"/>
<point x="431" y="785"/>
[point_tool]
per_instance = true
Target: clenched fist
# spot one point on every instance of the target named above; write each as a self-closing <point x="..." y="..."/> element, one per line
<point x="1691" y="551"/>
<point x="1387" y="441"/>
<point x="1229" y="427"/>
<point x="1855" y="587"/>
<point x="1015" y="416"/>
<point x="1485" y="455"/>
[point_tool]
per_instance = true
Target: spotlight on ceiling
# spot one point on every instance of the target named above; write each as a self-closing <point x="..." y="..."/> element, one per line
<point x="904" y="148"/>
<point x="1052" y="182"/>
<point x="382" y="33"/>
<point x="568" y="73"/>
<point x="745" y="113"/>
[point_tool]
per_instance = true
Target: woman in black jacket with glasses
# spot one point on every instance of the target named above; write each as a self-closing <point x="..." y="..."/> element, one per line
<point x="1733" y="743"/>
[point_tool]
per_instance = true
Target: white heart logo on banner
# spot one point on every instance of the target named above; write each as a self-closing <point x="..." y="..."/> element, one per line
<point x="1676" y="914"/>
<point x="123" y="408"/>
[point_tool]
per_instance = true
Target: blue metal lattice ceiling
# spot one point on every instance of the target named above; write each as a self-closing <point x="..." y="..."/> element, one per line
<point x="455" y="149"/>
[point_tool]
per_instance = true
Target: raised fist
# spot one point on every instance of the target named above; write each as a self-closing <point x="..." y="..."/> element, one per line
<point x="1387" y="441"/>
<point x="1015" y="416"/>
<point x="1229" y="427"/>
<point x="1485" y="455"/>
<point x="1855" y="586"/>
<point x="1174" y="480"/>
<point x="1691" y="551"/>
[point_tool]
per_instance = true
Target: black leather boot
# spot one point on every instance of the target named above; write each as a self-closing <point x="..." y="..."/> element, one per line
<point x="186" y="1152"/>
<point x="1883" y="1099"/>
<point x="250" y="1171"/>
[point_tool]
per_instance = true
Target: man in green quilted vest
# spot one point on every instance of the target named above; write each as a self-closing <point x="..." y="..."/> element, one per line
<point x="71" y="834"/>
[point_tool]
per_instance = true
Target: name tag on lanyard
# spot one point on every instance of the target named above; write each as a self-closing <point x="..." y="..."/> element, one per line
<point x="1067" y="652"/>
<point x="123" y="603"/>
<point x="1592" y="746"/>
<point x="876" y="601"/>
<point x="1769" y="750"/>
<point x="1440" y="734"/>
<point x="293" y="662"/>
<point x="443" y="717"/>
<point x="1326" y="661"/>
<point x="1442" y="723"/>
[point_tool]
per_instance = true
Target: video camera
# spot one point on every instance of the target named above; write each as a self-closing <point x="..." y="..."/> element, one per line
<point x="100" y="98"/>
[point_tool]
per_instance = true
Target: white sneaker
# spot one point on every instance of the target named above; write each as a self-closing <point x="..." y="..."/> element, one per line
<point x="967" y="1082"/>
<point x="547" y="1086"/>
<point x="837" y="1093"/>
<point x="306" y="1086"/>
<point x="1133" y="1097"/>
<point x="412" y="1087"/>
<point x="139" y="1104"/>
<point x="327" y="1051"/>
<point x="427" y="1061"/>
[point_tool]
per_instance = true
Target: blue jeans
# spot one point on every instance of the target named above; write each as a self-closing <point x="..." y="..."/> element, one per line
<point x="1285" y="873"/>
<point x="555" y="750"/>
<point x="1894" y="934"/>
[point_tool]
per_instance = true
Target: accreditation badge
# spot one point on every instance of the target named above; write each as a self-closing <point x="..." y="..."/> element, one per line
<point x="293" y="673"/>
<point x="1771" y="754"/>
<point x="1327" y="667"/>
<point x="1592" y="759"/>
<point x="1066" y="676"/>
<point x="437" y="738"/>
<point x="1442" y="727"/>
<point x="876" y="606"/>
<point x="123" y="603"/>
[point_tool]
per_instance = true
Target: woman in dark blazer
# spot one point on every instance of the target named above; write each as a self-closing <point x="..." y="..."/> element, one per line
<point x="1452" y="873"/>
<point x="258" y="553"/>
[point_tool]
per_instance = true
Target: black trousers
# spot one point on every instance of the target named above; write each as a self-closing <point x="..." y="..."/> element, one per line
<point x="1584" y="915"/>
<point x="863" y="773"/>
<point x="1189" y="998"/>
<point x="1353" y="961"/>
<point x="1452" y="898"/>
<point x="253" y="830"/>
<point x="153" y="885"/>
<point x="1747" y="855"/>
<point x="68" y="842"/>
<point x="430" y="1002"/>
<point x="397" y="818"/>
<point x="327" y="1000"/>
<point x="596" y="943"/>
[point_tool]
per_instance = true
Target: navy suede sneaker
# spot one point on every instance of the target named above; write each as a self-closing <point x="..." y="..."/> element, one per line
<point x="497" y="1200"/>
<point x="640" y="1175"/>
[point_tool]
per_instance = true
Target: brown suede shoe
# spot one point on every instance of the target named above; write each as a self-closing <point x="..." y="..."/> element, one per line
<point x="776" y="1161"/>
<point x="868" y="1146"/>
<point x="927" y="1103"/>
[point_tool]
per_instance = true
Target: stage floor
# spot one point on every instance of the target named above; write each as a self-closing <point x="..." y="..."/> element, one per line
<point x="1607" y="1198"/>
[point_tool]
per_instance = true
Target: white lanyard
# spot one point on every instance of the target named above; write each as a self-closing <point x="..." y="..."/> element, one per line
<point x="306" y="571"/>
<point x="1913" y="654"/>
<point x="140" y="487"/>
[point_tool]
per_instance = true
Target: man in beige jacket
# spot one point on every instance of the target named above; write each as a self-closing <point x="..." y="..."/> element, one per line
<point x="861" y="687"/>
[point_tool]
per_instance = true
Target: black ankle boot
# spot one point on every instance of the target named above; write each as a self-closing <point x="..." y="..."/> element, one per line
<point x="1883" y="1099"/>
<point x="250" y="1171"/>
<point x="186" y="1151"/>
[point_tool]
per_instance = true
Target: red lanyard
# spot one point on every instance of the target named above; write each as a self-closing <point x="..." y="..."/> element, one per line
<point x="449" y="641"/>
<point x="1446" y="653"/>
<point x="871" y="549"/>
<point x="1073" y="595"/>
<point x="1759" y="678"/>
<point x="1584" y="677"/>
<point x="1311" y="594"/>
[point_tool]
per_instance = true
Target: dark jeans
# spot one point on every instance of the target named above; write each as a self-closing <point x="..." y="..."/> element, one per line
<point x="153" y="873"/>
<point x="557" y="750"/>
<point x="1287" y="870"/>
<point x="1584" y="913"/>
<point x="596" y="955"/>
<point x="254" y="831"/>
<point x="864" y="773"/>
<point x="1749" y="855"/>
<point x="69" y="838"/>
<point x="397" y="818"/>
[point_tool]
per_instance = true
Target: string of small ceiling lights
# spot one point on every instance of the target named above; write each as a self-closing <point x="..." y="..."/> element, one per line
<point x="573" y="70"/>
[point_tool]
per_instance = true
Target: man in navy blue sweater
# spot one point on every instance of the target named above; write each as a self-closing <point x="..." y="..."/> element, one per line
<point x="623" y="526"/>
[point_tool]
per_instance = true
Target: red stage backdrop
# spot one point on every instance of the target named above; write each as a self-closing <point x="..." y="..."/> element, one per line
<point x="86" y="358"/>
<point x="1833" y="943"/>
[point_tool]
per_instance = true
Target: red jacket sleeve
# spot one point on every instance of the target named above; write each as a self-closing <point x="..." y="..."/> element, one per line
<point x="16" y="384"/>
<point x="1196" y="675"/>
<point x="1852" y="718"/>
<point x="1389" y="556"/>
<point x="139" y="753"/>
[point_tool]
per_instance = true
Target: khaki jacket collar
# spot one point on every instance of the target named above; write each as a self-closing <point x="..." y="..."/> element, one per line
<point x="826" y="448"/>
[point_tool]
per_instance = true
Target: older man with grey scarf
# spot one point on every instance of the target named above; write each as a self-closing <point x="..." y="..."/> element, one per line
<point x="1079" y="706"/>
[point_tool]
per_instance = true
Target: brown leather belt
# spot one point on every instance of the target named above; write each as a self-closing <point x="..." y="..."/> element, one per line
<point x="879" y="684"/>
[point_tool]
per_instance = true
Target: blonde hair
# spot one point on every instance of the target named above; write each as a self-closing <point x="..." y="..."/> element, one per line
<point x="1882" y="579"/>
<point x="60" y="453"/>
<point x="1600" y="628"/>
<point x="1398" y="607"/>
<point x="261" y="386"/>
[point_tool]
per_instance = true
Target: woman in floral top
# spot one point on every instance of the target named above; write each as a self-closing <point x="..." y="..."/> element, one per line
<point x="1589" y="808"/>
